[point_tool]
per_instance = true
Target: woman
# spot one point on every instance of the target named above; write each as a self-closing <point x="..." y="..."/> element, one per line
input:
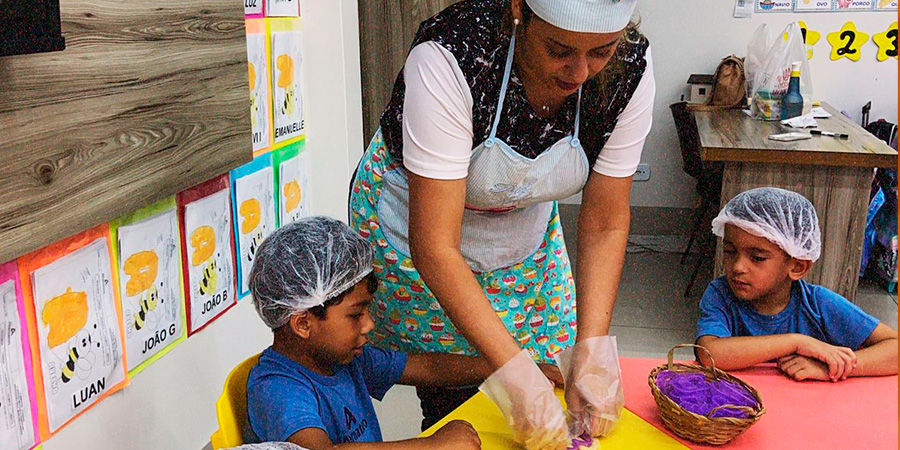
<point x="504" y="107"/>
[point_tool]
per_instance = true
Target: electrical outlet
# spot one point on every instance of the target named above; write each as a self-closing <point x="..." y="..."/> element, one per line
<point x="643" y="172"/>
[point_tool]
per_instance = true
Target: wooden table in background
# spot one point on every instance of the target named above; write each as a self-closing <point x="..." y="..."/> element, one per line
<point x="835" y="174"/>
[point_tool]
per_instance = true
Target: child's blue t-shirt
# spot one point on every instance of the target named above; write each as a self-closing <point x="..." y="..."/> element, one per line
<point x="284" y="397"/>
<point x="813" y="310"/>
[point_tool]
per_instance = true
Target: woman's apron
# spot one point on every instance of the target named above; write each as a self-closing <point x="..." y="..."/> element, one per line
<point x="511" y="239"/>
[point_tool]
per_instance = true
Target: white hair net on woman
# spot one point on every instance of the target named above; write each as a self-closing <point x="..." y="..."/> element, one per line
<point x="304" y="264"/>
<point x="784" y="217"/>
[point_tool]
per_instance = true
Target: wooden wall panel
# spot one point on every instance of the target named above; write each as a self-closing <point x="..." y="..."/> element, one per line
<point x="148" y="98"/>
<point x="386" y="30"/>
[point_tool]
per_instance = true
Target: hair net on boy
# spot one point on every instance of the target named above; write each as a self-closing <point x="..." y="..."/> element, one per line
<point x="269" y="446"/>
<point x="784" y="217"/>
<point x="304" y="264"/>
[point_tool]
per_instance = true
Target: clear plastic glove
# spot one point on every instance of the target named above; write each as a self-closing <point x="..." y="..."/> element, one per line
<point x="594" y="392"/>
<point x="526" y="399"/>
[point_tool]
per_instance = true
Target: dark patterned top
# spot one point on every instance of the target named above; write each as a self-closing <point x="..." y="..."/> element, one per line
<point x="472" y="30"/>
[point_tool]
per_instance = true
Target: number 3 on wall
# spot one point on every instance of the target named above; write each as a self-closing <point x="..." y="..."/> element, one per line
<point x="887" y="43"/>
<point x="847" y="42"/>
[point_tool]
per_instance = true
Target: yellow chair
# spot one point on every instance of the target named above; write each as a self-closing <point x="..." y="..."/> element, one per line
<point x="231" y="407"/>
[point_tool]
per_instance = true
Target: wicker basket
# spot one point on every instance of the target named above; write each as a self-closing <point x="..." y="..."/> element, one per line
<point x="694" y="427"/>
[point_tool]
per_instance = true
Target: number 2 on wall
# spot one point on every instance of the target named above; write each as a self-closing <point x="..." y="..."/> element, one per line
<point x="846" y="42"/>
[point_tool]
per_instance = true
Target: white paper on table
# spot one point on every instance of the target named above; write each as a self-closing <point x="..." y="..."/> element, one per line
<point x="819" y="112"/>
<point x="88" y="361"/>
<point x="294" y="189"/>
<point x="287" y="84"/>
<point x="260" y="121"/>
<point x="254" y="192"/>
<point x="805" y="121"/>
<point x="16" y="426"/>
<point x="152" y="311"/>
<point x="211" y="281"/>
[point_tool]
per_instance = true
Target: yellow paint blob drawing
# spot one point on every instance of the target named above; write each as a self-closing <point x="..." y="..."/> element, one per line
<point x="250" y="210"/>
<point x="254" y="102"/>
<point x="141" y="267"/>
<point x="292" y="195"/>
<point x="203" y="241"/>
<point x="285" y="65"/>
<point x="847" y="42"/>
<point x="65" y="315"/>
<point x="887" y="43"/>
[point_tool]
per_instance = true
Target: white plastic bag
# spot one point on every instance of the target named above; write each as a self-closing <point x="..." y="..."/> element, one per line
<point x="771" y="82"/>
<point x="756" y="54"/>
<point x="594" y="392"/>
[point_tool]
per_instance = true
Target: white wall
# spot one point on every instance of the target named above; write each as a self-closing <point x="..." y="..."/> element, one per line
<point x="171" y="405"/>
<point x="691" y="36"/>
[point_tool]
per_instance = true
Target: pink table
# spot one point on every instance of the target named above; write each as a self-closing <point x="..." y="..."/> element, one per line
<point x="859" y="413"/>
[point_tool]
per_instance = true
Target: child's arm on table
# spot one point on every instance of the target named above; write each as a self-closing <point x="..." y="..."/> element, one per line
<point x="733" y="353"/>
<point x="445" y="369"/>
<point x="878" y="356"/>
<point x="456" y="435"/>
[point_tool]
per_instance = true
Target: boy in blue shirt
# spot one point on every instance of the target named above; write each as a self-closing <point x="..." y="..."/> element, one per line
<point x="762" y="310"/>
<point x="312" y="285"/>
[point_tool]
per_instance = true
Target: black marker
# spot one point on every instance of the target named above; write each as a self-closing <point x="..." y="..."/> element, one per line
<point x="829" y="133"/>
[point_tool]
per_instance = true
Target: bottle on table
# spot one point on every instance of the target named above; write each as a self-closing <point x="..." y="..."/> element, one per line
<point x="792" y="102"/>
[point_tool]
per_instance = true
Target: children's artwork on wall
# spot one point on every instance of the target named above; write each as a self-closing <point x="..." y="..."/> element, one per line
<point x="886" y="5"/>
<point x="207" y="248"/>
<point x="774" y="6"/>
<point x="287" y="79"/>
<point x="887" y="43"/>
<point x="260" y="85"/>
<point x="800" y="6"/>
<point x="855" y="4"/>
<point x="282" y="8"/>
<point x="254" y="219"/>
<point x="254" y="8"/>
<point x="148" y="258"/>
<point x="72" y="303"/>
<point x="847" y="42"/>
<point x="294" y="201"/>
<point x="18" y="404"/>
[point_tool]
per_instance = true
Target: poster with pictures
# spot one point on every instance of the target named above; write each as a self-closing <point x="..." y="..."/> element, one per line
<point x="851" y="5"/>
<point x="150" y="283"/>
<point x="18" y="405"/>
<point x="294" y="188"/>
<point x="774" y="5"/>
<point x="283" y="8"/>
<point x="207" y="251"/>
<point x="886" y="5"/>
<point x="75" y="301"/>
<point x="260" y="86"/>
<point x="287" y="79"/>
<point x="254" y="200"/>
<point x="813" y="5"/>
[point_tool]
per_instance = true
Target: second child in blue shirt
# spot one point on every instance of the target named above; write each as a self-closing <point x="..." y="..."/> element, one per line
<point x="762" y="310"/>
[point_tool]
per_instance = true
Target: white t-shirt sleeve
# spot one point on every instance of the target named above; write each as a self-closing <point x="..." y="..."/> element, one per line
<point x="622" y="153"/>
<point x="437" y="114"/>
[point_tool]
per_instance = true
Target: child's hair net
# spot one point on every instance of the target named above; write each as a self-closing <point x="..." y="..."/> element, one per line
<point x="304" y="264"/>
<point x="269" y="446"/>
<point x="784" y="217"/>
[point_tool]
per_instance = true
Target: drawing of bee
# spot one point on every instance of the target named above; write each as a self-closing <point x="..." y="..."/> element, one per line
<point x="147" y="304"/>
<point x="79" y="357"/>
<point x="210" y="278"/>
<point x="255" y="241"/>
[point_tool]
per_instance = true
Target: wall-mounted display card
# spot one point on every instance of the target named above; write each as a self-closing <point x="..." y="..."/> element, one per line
<point x="253" y="186"/>
<point x="292" y="175"/>
<point x="260" y="85"/>
<point x="148" y="257"/>
<point x="73" y="308"/>
<point x="283" y="8"/>
<point x="254" y="9"/>
<point x="18" y="403"/>
<point x="207" y="248"/>
<point x="287" y="79"/>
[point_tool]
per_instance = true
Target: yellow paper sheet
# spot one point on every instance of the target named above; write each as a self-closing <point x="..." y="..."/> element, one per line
<point x="630" y="433"/>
